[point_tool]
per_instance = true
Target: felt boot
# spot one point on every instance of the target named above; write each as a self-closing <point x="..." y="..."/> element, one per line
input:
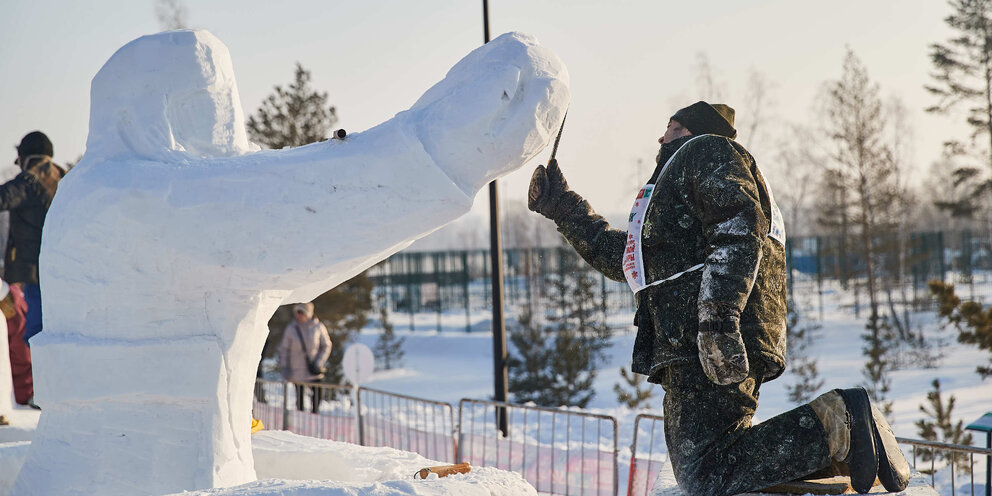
<point x="846" y="417"/>
<point x="893" y="469"/>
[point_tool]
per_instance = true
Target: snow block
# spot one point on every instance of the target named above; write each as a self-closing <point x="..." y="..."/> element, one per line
<point x="172" y="242"/>
<point x="12" y="457"/>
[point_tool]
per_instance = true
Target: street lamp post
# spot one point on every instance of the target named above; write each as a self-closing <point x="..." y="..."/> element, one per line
<point x="496" y="258"/>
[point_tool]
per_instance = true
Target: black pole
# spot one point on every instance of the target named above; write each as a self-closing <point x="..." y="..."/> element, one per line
<point x="485" y="22"/>
<point x="496" y="258"/>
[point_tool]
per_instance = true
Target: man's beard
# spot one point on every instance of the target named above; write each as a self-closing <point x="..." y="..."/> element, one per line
<point x="666" y="151"/>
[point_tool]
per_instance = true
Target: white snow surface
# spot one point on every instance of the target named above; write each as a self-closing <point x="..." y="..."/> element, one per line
<point x="171" y="243"/>
<point x="288" y="464"/>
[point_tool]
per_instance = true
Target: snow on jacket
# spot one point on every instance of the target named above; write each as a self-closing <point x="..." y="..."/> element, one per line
<point x="712" y="207"/>
<point x="28" y="197"/>
<point x="293" y="361"/>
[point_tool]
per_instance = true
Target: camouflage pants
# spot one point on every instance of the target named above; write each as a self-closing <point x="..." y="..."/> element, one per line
<point x="714" y="449"/>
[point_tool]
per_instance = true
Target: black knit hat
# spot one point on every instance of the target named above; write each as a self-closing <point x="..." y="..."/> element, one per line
<point x="703" y="118"/>
<point x="35" y="143"/>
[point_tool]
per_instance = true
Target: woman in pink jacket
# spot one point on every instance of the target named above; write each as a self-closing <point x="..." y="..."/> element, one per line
<point x="303" y="352"/>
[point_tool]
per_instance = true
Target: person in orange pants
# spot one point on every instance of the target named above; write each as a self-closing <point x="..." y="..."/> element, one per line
<point x="15" y="309"/>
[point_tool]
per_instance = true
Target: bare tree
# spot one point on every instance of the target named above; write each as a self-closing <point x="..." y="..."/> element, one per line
<point x="708" y="87"/>
<point x="863" y="173"/>
<point x="171" y="14"/>
<point x="900" y="138"/>
<point x="863" y="163"/>
<point x="525" y="229"/>
<point x="756" y="107"/>
<point x="798" y="163"/>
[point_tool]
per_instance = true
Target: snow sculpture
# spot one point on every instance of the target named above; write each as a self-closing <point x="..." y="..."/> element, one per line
<point x="170" y="244"/>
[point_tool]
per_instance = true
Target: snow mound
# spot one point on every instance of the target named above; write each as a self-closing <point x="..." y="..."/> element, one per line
<point x="293" y="465"/>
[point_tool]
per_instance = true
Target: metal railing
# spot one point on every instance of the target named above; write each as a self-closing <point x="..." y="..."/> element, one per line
<point x="920" y="445"/>
<point x="646" y="458"/>
<point x="407" y="423"/>
<point x="556" y="451"/>
<point x="280" y="405"/>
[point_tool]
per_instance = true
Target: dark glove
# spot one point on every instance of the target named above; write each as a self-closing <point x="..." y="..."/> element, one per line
<point x="547" y="188"/>
<point x="721" y="352"/>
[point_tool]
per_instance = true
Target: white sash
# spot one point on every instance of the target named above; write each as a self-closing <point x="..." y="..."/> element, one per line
<point x="777" y="229"/>
<point x="633" y="261"/>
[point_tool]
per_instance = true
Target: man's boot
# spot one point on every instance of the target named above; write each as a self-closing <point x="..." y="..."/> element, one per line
<point x="846" y="417"/>
<point x="893" y="469"/>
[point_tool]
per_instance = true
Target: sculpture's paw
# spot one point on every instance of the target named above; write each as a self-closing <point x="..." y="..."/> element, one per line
<point x="495" y="110"/>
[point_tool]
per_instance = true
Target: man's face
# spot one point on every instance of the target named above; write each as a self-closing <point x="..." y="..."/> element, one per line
<point x="301" y="317"/>
<point x="674" y="132"/>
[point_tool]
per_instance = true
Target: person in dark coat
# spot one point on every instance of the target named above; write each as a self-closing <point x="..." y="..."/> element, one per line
<point x="704" y="254"/>
<point x="27" y="198"/>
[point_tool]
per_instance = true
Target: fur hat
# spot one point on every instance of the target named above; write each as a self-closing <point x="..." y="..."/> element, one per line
<point x="35" y="143"/>
<point x="703" y="118"/>
<point x="305" y="308"/>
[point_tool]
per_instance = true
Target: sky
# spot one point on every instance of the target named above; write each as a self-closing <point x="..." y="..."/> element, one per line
<point x="632" y="64"/>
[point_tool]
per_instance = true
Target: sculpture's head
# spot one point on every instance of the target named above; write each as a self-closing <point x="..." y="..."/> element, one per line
<point x="167" y="97"/>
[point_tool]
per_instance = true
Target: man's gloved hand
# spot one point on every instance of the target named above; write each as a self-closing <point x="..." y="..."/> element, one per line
<point x="547" y="187"/>
<point x="721" y="352"/>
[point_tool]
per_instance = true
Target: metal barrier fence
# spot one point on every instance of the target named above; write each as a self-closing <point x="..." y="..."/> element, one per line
<point x="648" y="455"/>
<point x="556" y="451"/>
<point x="920" y="445"/>
<point x="646" y="458"/>
<point x="407" y="423"/>
<point x="290" y="406"/>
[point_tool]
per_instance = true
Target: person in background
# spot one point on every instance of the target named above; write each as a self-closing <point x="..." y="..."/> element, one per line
<point x="15" y="310"/>
<point x="303" y="352"/>
<point x="27" y="197"/>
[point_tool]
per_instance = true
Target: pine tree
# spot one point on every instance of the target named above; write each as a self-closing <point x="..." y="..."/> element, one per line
<point x="529" y="365"/>
<point x="970" y="318"/>
<point x="938" y="426"/>
<point x="555" y="364"/>
<point x="634" y="397"/>
<point x="344" y="310"/>
<point x="963" y="77"/>
<point x="573" y="373"/>
<point x="800" y="337"/>
<point x="295" y="116"/>
<point x="580" y="337"/>
<point x="878" y="343"/>
<point x="388" y="348"/>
